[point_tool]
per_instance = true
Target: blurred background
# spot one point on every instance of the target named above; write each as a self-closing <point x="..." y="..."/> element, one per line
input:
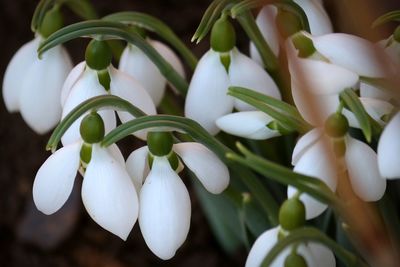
<point x="70" y="237"/>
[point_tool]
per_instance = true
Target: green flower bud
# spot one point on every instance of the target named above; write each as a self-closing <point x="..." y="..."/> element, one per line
<point x="396" y="34"/>
<point x="336" y="125"/>
<point x="92" y="128"/>
<point x="159" y="143"/>
<point x="98" y="55"/>
<point x="303" y="44"/>
<point x="292" y="214"/>
<point x="295" y="260"/>
<point x="52" y="22"/>
<point x="223" y="37"/>
<point x="288" y="23"/>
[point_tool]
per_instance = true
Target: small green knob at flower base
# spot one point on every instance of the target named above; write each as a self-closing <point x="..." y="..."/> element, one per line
<point x="292" y="214"/>
<point x="92" y="128"/>
<point x="336" y="125"/>
<point x="223" y="36"/>
<point x="98" y="55"/>
<point x="159" y="143"/>
<point x="295" y="260"/>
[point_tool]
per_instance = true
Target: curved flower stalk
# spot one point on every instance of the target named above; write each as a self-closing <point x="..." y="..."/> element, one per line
<point x="219" y="68"/>
<point x="84" y="82"/>
<point x="388" y="149"/>
<point x="135" y="63"/>
<point x="165" y="209"/>
<point x="33" y="86"/>
<point x="318" y="20"/>
<point x="314" y="254"/>
<point x="311" y="157"/>
<point x="108" y="193"/>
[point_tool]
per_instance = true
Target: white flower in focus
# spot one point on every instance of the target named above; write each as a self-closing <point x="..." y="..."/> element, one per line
<point x="33" y="86"/>
<point x="136" y="63"/>
<point x="207" y="98"/>
<point x="389" y="148"/>
<point x="315" y="255"/>
<point x="107" y="190"/>
<point x="165" y="209"/>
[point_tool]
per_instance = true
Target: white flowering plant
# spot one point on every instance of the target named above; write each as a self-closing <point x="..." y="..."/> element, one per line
<point x="298" y="141"/>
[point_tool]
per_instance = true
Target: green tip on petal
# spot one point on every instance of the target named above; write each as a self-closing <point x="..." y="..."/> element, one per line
<point x="303" y="44"/>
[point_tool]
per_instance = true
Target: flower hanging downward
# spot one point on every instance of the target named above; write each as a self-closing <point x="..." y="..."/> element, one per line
<point x="165" y="209"/>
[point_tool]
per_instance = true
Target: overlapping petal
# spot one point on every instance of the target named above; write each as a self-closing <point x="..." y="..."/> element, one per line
<point x="389" y="148"/>
<point x="304" y="143"/>
<point x="137" y="166"/>
<point x="317" y="17"/>
<point x="74" y="75"/>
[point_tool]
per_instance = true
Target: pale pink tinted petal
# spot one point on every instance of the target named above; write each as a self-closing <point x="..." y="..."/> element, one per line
<point x="165" y="210"/>
<point x="41" y="90"/>
<point x="208" y="168"/>
<point x="247" y="124"/>
<point x="70" y="81"/>
<point x="55" y="179"/>
<point x="137" y="166"/>
<point x="362" y="166"/>
<point x="304" y="143"/>
<point x="207" y="98"/>
<point x="108" y="194"/>
<point x="388" y="149"/>
<point x="15" y="71"/>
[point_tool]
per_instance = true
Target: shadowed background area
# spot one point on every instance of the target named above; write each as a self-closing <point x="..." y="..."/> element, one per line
<point x="70" y="237"/>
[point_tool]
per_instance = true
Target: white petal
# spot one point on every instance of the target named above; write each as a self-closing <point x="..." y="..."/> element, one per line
<point x="16" y="69"/>
<point x="169" y="55"/>
<point x="245" y="72"/>
<point x="55" y="179"/>
<point x="117" y="154"/>
<point x="317" y="16"/>
<point x="41" y="89"/>
<point x="362" y="165"/>
<point x="304" y="143"/>
<point x="136" y="63"/>
<point x="247" y="124"/>
<point x="126" y="87"/>
<point x="86" y="87"/>
<point x="266" y="23"/>
<point x="207" y="98"/>
<point x="388" y="149"/>
<point x="316" y="162"/>
<point x="370" y="91"/>
<point x="208" y="168"/>
<point x="108" y="194"/>
<point x="164" y="217"/>
<point x="137" y="166"/>
<point x="70" y="81"/>
<point x="351" y="52"/>
<point x="321" y="255"/>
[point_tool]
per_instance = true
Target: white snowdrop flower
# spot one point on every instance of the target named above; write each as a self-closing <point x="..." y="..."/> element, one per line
<point x="388" y="149"/>
<point x="33" y="86"/>
<point x="248" y="124"/>
<point x="315" y="255"/>
<point x="107" y="191"/>
<point x="165" y="209"/>
<point x="136" y="63"/>
<point x="266" y="21"/>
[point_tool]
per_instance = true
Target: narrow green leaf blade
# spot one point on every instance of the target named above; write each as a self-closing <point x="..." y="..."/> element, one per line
<point x="387" y="17"/>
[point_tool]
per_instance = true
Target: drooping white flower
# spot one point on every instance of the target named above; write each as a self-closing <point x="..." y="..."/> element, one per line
<point x="136" y="63"/>
<point x="165" y="209"/>
<point x="107" y="191"/>
<point x="83" y="83"/>
<point x="316" y="255"/>
<point x="266" y="21"/>
<point x="33" y="86"/>
<point x="388" y="149"/>
<point x="207" y="98"/>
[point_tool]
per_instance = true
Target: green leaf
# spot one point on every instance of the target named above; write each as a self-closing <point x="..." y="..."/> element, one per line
<point x="40" y="12"/>
<point x="159" y="27"/>
<point x="310" y="234"/>
<point x="82" y="8"/>
<point x="94" y="103"/>
<point x="385" y="18"/>
<point x="285" y="114"/>
<point x="351" y="101"/>
<point x="115" y="30"/>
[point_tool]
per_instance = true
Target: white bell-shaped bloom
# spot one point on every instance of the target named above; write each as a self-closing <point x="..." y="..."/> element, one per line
<point x="388" y="149"/>
<point x="318" y="20"/>
<point x="165" y="209"/>
<point x="248" y="124"/>
<point x="315" y="255"/>
<point x="83" y="83"/>
<point x="107" y="191"/>
<point x="33" y="86"/>
<point x="207" y="98"/>
<point x="136" y="63"/>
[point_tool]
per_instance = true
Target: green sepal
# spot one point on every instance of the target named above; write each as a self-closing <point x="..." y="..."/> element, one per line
<point x="223" y="36"/>
<point x="98" y="54"/>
